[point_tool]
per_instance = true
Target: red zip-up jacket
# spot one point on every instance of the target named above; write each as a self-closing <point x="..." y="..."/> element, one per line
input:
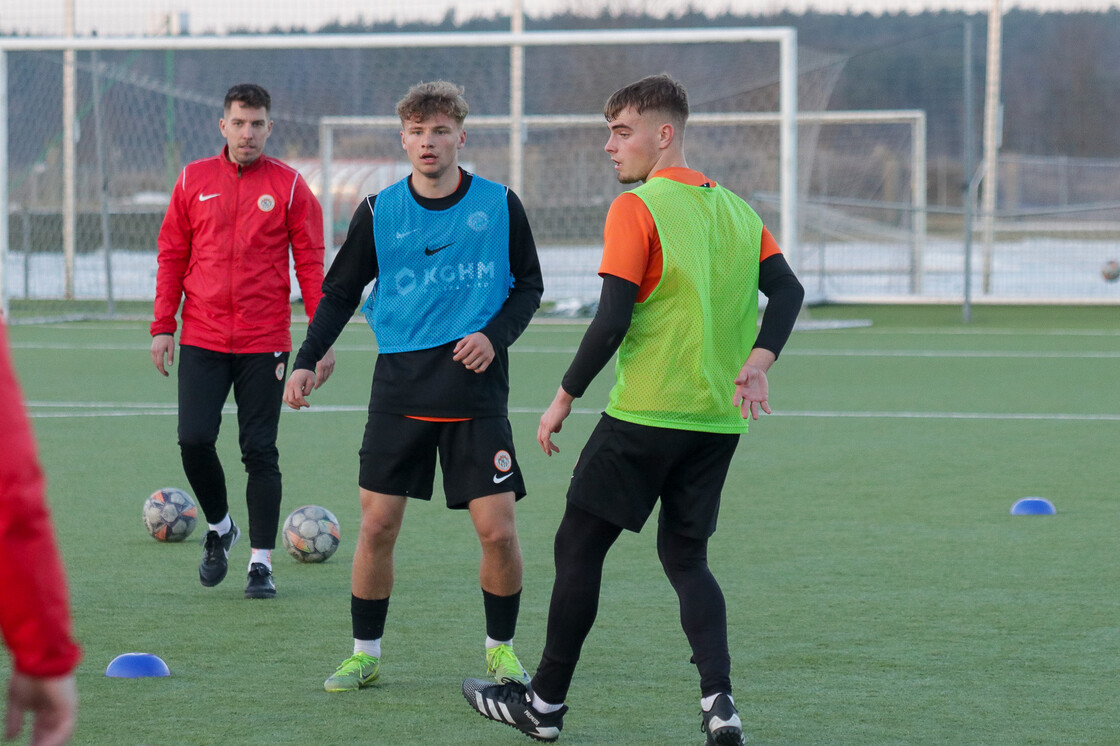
<point x="223" y="251"/>
<point x="35" y="612"/>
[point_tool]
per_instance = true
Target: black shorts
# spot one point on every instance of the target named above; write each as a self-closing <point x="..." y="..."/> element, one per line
<point x="398" y="457"/>
<point x="625" y="468"/>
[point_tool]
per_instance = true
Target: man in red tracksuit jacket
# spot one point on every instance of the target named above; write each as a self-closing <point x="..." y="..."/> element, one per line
<point x="223" y="251"/>
<point x="35" y="615"/>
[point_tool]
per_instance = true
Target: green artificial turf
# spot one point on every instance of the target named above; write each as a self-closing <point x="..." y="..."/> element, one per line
<point x="878" y="590"/>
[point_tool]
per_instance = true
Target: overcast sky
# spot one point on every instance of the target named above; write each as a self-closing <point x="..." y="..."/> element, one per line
<point x="150" y="16"/>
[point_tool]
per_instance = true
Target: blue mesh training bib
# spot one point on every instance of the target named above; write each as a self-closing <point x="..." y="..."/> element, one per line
<point x="442" y="274"/>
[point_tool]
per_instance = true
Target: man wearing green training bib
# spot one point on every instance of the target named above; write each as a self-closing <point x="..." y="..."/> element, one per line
<point x="683" y="262"/>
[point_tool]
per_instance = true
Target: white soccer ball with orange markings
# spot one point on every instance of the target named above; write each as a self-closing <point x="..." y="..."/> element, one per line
<point x="311" y="533"/>
<point x="170" y="514"/>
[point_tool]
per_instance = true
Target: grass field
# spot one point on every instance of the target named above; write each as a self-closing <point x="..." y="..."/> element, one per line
<point x="878" y="590"/>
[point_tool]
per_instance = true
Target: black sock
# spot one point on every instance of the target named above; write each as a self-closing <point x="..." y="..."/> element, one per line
<point x="501" y="614"/>
<point x="368" y="617"/>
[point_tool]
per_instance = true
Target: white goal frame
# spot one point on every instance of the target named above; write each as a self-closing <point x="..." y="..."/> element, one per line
<point x="516" y="41"/>
<point x="919" y="207"/>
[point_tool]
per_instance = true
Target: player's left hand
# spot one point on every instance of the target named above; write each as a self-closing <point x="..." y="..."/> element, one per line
<point x="751" y="392"/>
<point x="324" y="368"/>
<point x="475" y="352"/>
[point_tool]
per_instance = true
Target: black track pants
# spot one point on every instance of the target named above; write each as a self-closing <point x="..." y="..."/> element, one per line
<point x="257" y="380"/>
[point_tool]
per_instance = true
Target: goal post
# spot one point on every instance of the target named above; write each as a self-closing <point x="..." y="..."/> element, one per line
<point x="917" y="208"/>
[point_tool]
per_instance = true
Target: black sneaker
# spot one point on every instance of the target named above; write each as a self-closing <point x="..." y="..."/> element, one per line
<point x="260" y="582"/>
<point x="511" y="703"/>
<point x="722" y="723"/>
<point x="215" y="555"/>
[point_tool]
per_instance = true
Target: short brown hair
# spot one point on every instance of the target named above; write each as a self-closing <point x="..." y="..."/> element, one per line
<point x="651" y="93"/>
<point x="249" y="95"/>
<point x="424" y="100"/>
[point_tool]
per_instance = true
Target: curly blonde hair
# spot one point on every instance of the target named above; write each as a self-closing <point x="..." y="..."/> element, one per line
<point x="424" y="100"/>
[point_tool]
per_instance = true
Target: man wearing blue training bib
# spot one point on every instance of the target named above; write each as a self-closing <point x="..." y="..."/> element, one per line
<point x="456" y="280"/>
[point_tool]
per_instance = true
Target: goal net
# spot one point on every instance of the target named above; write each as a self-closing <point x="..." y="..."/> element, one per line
<point x="94" y="132"/>
<point x="81" y="226"/>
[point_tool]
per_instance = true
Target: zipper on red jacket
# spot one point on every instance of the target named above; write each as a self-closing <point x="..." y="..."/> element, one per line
<point x="233" y="261"/>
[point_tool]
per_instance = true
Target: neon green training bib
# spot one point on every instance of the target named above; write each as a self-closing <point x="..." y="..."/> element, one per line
<point x="688" y="340"/>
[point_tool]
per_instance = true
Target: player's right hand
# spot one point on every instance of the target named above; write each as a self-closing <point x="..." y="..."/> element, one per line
<point x="300" y="384"/>
<point x="52" y="703"/>
<point x="163" y="352"/>
<point x="552" y="421"/>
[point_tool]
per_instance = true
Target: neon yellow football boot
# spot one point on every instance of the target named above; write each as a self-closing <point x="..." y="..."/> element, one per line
<point x="356" y="672"/>
<point x="502" y="664"/>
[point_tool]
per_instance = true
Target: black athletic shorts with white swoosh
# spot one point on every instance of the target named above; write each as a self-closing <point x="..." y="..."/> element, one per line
<point x="398" y="457"/>
<point x="625" y="468"/>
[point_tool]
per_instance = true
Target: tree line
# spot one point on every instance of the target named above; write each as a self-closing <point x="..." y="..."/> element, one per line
<point x="1060" y="71"/>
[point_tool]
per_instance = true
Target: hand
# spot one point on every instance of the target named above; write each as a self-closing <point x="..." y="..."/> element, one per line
<point x="53" y="703"/>
<point x="300" y="384"/>
<point x="163" y="349"/>
<point x="751" y="391"/>
<point x="553" y="420"/>
<point x="475" y="352"/>
<point x="324" y="368"/>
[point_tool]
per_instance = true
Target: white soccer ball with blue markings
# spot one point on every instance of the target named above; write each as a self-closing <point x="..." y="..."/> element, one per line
<point x="311" y="533"/>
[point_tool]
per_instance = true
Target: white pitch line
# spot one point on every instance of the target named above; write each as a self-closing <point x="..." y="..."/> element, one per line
<point x="134" y="409"/>
<point x="986" y="332"/>
<point x="1027" y="355"/>
<point x="101" y="405"/>
<point x="1043" y="416"/>
<point x="110" y="346"/>
<point x="788" y="352"/>
<point x="88" y="413"/>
